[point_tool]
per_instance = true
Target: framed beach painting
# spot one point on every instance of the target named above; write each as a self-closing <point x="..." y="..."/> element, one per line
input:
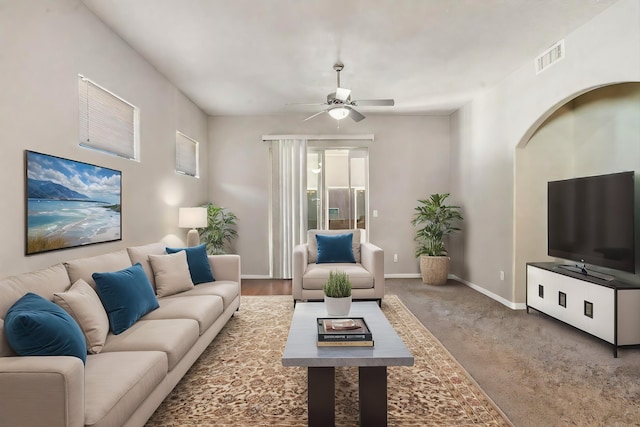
<point x="70" y="203"/>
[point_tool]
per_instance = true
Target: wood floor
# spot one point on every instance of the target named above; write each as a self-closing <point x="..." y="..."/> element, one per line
<point x="254" y="287"/>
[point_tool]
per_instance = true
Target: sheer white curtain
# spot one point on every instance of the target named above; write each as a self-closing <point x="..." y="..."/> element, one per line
<point x="288" y="207"/>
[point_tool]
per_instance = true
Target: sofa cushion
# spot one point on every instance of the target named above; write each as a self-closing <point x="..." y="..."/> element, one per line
<point x="317" y="275"/>
<point x="171" y="273"/>
<point x="312" y="245"/>
<point x="174" y="337"/>
<point x="204" y="309"/>
<point x="336" y="248"/>
<point x="126" y="295"/>
<point x="227" y="290"/>
<point x="84" y="268"/>
<point x="116" y="383"/>
<point x="42" y="282"/>
<point x="83" y="304"/>
<point x="5" y="348"/>
<point x="37" y="327"/>
<point x="198" y="263"/>
<point x="141" y="254"/>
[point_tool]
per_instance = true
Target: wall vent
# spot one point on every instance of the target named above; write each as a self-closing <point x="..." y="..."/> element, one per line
<point x="549" y="57"/>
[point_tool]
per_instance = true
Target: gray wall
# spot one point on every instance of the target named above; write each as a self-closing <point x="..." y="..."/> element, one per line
<point x="408" y="160"/>
<point x="603" y="51"/>
<point x="44" y="46"/>
<point x="597" y="133"/>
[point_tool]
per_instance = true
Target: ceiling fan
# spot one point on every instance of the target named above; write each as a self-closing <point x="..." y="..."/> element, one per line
<point x="340" y="105"/>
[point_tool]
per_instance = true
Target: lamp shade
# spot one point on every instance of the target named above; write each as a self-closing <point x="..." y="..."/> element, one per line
<point x="192" y="217"/>
<point x="338" y="113"/>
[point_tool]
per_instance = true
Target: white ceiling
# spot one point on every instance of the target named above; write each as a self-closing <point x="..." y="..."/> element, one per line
<point x="253" y="57"/>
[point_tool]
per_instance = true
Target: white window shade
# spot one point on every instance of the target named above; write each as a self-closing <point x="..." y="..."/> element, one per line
<point x="107" y="122"/>
<point x="186" y="155"/>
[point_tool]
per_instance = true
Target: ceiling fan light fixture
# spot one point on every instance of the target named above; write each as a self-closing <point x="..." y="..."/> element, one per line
<point x="338" y="113"/>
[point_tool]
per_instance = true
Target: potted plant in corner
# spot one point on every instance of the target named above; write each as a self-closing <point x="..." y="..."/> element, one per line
<point x="220" y="229"/>
<point x="434" y="220"/>
<point x="337" y="294"/>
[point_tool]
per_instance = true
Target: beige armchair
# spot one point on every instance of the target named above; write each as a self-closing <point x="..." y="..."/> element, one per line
<point x="366" y="274"/>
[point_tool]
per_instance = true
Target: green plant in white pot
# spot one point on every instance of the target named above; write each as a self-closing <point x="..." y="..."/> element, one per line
<point x="337" y="294"/>
<point x="434" y="220"/>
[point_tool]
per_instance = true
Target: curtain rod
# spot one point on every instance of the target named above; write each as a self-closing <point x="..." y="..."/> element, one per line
<point x="319" y="137"/>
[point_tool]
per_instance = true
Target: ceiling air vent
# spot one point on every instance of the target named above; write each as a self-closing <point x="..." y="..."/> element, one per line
<point x="549" y="57"/>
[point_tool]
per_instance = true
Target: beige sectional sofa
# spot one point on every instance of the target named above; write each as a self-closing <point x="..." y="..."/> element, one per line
<point x="126" y="381"/>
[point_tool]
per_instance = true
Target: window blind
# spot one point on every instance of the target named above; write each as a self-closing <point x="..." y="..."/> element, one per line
<point x="186" y="155"/>
<point x="107" y="122"/>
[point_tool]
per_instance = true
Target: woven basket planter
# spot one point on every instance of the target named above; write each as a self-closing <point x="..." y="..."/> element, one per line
<point x="434" y="269"/>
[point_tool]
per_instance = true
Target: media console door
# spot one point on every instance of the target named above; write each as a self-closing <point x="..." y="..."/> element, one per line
<point x="607" y="312"/>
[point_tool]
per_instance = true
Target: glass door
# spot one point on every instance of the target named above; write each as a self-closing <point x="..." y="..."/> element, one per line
<point x="337" y="196"/>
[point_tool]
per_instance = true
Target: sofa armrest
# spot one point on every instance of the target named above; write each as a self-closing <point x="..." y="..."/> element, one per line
<point x="41" y="391"/>
<point x="372" y="259"/>
<point x="225" y="267"/>
<point x="300" y="261"/>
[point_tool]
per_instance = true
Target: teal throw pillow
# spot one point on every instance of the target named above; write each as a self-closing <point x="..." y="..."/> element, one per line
<point x="335" y="248"/>
<point x="35" y="326"/>
<point x="198" y="261"/>
<point x="126" y="295"/>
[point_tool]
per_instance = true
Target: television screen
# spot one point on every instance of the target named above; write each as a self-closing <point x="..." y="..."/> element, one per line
<point x="591" y="220"/>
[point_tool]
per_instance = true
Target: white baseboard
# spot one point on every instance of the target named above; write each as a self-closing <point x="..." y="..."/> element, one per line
<point x="501" y="300"/>
<point x="255" y="276"/>
<point x="402" y="276"/>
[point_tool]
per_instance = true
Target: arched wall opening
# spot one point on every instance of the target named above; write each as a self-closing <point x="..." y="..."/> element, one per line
<point x="594" y="132"/>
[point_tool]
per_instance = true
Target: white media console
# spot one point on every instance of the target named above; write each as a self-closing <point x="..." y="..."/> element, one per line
<point x="607" y="309"/>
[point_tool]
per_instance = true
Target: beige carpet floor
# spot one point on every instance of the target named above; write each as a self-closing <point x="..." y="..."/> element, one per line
<point x="239" y="380"/>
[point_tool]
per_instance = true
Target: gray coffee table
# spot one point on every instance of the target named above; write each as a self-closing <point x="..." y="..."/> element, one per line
<point x="388" y="350"/>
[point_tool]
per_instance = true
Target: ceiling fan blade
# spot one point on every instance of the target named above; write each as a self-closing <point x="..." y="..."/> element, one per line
<point x="343" y="94"/>
<point x="355" y="115"/>
<point x="313" y="115"/>
<point x="375" y="102"/>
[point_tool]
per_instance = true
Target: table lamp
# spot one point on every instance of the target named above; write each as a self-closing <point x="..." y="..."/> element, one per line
<point x="192" y="218"/>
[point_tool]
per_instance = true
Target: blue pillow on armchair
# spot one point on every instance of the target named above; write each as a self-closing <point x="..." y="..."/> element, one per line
<point x="335" y="248"/>
<point x="198" y="263"/>
<point x="35" y="326"/>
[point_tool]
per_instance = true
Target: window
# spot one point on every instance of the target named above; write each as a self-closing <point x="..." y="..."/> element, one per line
<point x="107" y="122"/>
<point x="187" y="152"/>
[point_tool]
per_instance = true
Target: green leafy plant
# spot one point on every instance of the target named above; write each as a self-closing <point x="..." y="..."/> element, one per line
<point x="338" y="285"/>
<point x="434" y="220"/>
<point x="220" y="230"/>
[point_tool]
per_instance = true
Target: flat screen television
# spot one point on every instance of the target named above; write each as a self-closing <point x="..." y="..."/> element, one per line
<point x="591" y="220"/>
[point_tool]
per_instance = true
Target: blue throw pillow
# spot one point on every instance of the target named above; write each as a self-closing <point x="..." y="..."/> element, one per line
<point x="35" y="326"/>
<point x="198" y="263"/>
<point x="126" y="295"/>
<point x="335" y="248"/>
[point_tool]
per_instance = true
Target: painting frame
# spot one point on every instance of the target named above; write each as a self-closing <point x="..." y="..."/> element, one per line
<point x="69" y="203"/>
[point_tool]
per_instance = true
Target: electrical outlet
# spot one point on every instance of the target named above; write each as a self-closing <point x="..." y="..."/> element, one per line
<point x="501" y="275"/>
<point x="395" y="257"/>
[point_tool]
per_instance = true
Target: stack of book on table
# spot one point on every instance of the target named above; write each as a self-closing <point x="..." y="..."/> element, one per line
<point x="348" y="331"/>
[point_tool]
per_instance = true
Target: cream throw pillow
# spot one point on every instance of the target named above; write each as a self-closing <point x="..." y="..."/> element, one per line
<point x="171" y="273"/>
<point x="84" y="305"/>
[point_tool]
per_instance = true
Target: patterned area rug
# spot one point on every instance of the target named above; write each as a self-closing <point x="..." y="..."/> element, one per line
<point x="240" y="381"/>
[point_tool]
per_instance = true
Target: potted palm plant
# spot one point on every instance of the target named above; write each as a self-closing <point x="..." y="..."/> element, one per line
<point x="220" y="230"/>
<point x="434" y="220"/>
<point x="337" y="294"/>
